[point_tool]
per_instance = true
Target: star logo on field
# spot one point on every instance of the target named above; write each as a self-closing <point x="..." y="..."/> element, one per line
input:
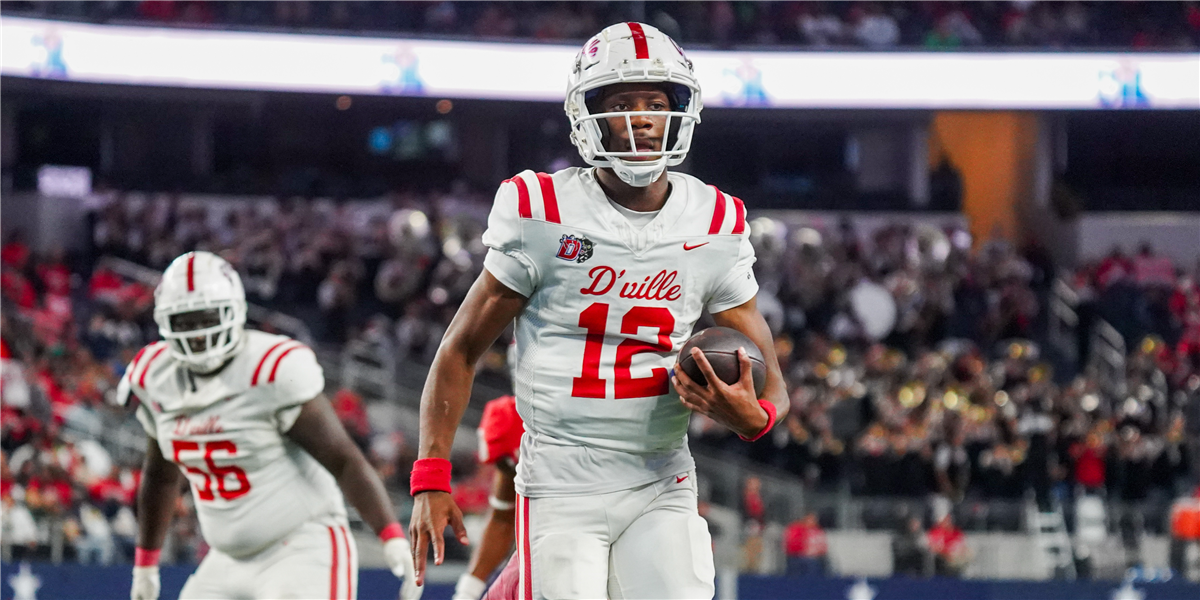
<point x="24" y="584"/>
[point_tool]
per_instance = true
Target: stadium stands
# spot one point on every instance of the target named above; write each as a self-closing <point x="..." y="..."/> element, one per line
<point x="834" y="25"/>
<point x="955" y="402"/>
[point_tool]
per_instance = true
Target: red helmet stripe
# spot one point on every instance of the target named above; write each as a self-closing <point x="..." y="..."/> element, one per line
<point x="718" y="213"/>
<point x="191" y="272"/>
<point x="549" y="200"/>
<point x="739" y="224"/>
<point x="523" y="207"/>
<point x="640" y="49"/>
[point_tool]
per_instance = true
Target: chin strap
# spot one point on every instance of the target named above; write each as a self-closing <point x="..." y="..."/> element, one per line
<point x="641" y="175"/>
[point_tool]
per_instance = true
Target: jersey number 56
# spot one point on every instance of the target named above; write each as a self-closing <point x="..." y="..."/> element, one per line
<point x="204" y="490"/>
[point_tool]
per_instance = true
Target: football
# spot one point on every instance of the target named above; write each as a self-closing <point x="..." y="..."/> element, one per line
<point x="720" y="346"/>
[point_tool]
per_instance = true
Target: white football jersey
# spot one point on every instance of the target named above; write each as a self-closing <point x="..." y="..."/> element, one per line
<point x="251" y="484"/>
<point x="610" y="303"/>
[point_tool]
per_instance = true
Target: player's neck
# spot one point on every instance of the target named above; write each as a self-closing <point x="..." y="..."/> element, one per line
<point x="638" y="199"/>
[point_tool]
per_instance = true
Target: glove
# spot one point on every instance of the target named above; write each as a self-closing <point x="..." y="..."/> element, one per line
<point x="145" y="583"/>
<point x="469" y="587"/>
<point x="398" y="554"/>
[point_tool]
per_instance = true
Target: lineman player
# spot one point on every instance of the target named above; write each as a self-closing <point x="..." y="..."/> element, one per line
<point x="240" y="415"/>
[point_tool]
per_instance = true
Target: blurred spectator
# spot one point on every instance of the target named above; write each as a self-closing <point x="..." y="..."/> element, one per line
<point x="336" y="297"/>
<point x="951" y="555"/>
<point x="806" y="548"/>
<point x="1091" y="456"/>
<point x="754" y="518"/>
<point x="15" y="251"/>
<point x="1152" y="270"/>
<point x="350" y="411"/>
<point x="875" y="28"/>
<point x="911" y="550"/>
<point x="821" y="27"/>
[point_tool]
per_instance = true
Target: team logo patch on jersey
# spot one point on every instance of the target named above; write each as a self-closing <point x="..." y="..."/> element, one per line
<point x="577" y="249"/>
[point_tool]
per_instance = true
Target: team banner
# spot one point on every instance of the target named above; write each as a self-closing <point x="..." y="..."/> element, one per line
<point x="416" y="67"/>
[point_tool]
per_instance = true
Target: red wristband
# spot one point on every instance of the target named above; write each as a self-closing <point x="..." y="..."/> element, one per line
<point x="430" y="474"/>
<point x="145" y="558"/>
<point x="770" y="408"/>
<point x="391" y="531"/>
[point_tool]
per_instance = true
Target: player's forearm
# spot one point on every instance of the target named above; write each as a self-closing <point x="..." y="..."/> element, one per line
<point x="156" y="498"/>
<point x="748" y="320"/>
<point x="447" y="391"/>
<point x="365" y="490"/>
<point x="498" y="537"/>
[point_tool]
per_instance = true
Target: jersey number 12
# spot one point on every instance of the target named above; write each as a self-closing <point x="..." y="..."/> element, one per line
<point x="595" y="320"/>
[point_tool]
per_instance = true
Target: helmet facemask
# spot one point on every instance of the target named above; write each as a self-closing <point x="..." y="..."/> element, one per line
<point x="203" y="338"/>
<point x="611" y="58"/>
<point x="200" y="308"/>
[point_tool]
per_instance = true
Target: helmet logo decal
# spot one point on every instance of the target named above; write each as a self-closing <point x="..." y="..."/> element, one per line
<point x="575" y="249"/>
<point x="592" y="48"/>
<point x="640" y="48"/>
<point x="191" y="270"/>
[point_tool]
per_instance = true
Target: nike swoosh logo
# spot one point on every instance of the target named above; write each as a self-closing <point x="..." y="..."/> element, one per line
<point x="679" y="479"/>
<point x="693" y="247"/>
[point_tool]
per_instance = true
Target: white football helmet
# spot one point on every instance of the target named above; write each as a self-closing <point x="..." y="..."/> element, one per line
<point x="632" y="53"/>
<point x="201" y="281"/>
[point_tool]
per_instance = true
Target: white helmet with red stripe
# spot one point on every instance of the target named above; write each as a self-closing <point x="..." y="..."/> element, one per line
<point x="632" y="53"/>
<point x="200" y="309"/>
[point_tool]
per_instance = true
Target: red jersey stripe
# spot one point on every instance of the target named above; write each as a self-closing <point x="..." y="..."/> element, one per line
<point x="640" y="49"/>
<point x="523" y="207"/>
<point x="333" y="570"/>
<point x="262" y="361"/>
<point x="275" y="368"/>
<point x="739" y="224"/>
<point x="349" y="565"/>
<point x="549" y="200"/>
<point x="149" y="363"/>
<point x="718" y="212"/>
<point x="191" y="272"/>
<point x="134" y="365"/>
<point x="525" y="544"/>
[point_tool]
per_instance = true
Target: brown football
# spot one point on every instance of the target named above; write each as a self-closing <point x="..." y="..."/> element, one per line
<point x="720" y="346"/>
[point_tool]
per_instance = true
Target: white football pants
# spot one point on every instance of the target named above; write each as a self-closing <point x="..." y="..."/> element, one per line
<point x="647" y="542"/>
<point x="314" y="561"/>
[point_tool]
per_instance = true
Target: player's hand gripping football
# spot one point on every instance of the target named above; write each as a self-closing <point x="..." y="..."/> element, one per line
<point x="432" y="512"/>
<point x="734" y="406"/>
<point x="398" y="554"/>
<point x="145" y="583"/>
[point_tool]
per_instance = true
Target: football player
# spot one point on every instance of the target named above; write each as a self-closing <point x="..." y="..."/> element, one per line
<point x="240" y="414"/>
<point x="499" y="441"/>
<point x="607" y="270"/>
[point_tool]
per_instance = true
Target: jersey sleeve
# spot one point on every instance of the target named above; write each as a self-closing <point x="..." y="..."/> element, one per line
<point x="147" y="420"/>
<point x="738" y="286"/>
<point x="506" y="259"/>
<point x="125" y="395"/>
<point x="299" y="379"/>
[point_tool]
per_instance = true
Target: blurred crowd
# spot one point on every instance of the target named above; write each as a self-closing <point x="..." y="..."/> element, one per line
<point x="918" y="358"/>
<point x="873" y="25"/>
<point x="920" y="368"/>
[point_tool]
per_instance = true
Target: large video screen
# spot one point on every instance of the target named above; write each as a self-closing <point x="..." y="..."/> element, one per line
<point x="407" y="67"/>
